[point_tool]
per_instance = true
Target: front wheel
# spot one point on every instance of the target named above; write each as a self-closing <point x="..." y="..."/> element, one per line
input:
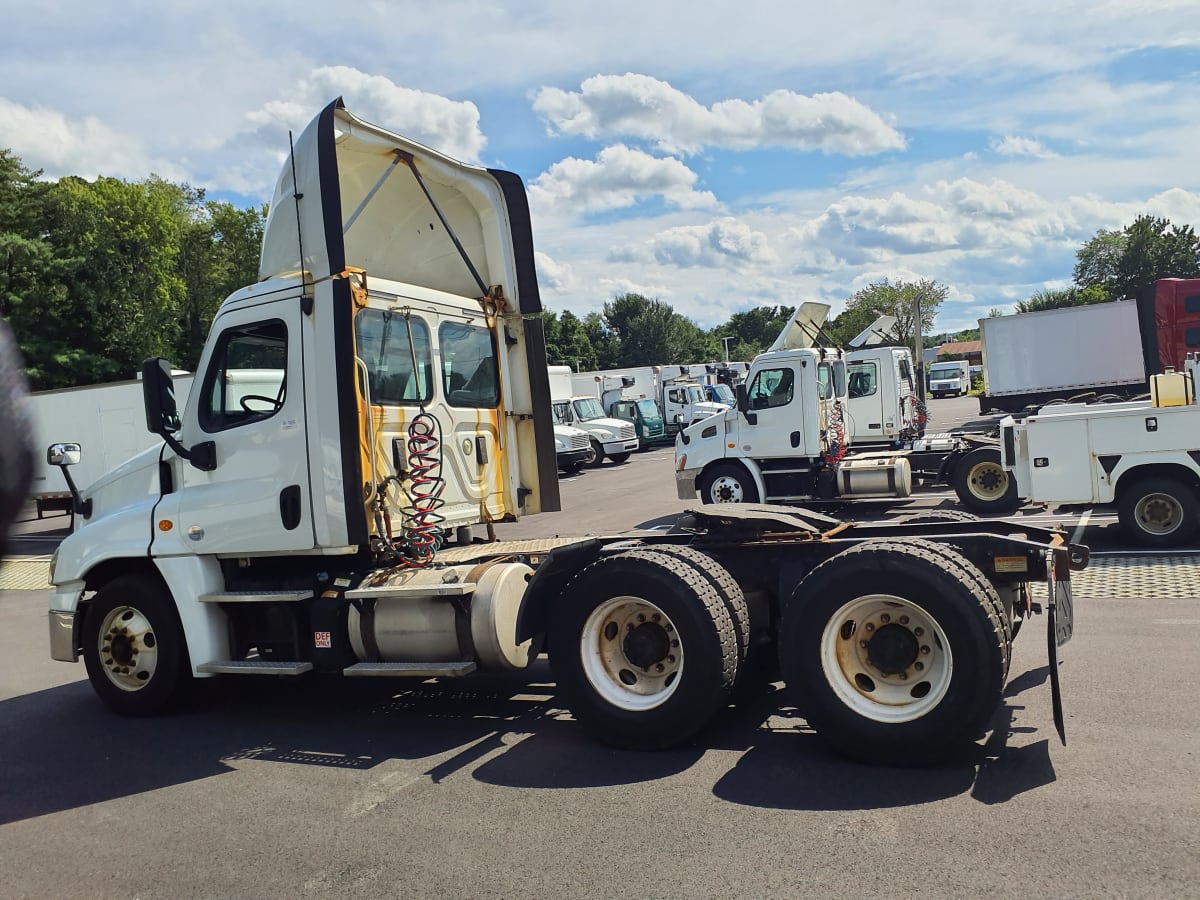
<point x="618" y="458"/>
<point x="727" y="483"/>
<point x="1158" y="512"/>
<point x="893" y="653"/>
<point x="597" y="456"/>
<point x="983" y="484"/>
<point x="133" y="647"/>
<point x="644" y="650"/>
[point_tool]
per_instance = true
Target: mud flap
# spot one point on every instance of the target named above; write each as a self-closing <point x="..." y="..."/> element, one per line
<point x="1060" y="624"/>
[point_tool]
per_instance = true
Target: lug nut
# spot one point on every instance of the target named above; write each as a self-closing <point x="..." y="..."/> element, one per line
<point x="925" y="649"/>
<point x="671" y="658"/>
<point x="660" y="668"/>
<point x="919" y="666"/>
<point x="904" y="620"/>
<point x="675" y="642"/>
<point x="885" y="618"/>
<point x="918" y="631"/>
<point x="655" y="617"/>
<point x="641" y="617"/>
<point x="904" y="676"/>
<point x="863" y="644"/>
<point x="870" y="626"/>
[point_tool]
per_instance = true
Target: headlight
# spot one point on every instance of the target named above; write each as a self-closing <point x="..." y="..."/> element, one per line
<point x="605" y="435"/>
<point x="560" y="444"/>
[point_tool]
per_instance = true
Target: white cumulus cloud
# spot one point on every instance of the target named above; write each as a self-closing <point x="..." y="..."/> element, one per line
<point x="722" y="243"/>
<point x="83" y="146"/>
<point x="1010" y="145"/>
<point x="644" y="107"/>
<point x="618" y="177"/>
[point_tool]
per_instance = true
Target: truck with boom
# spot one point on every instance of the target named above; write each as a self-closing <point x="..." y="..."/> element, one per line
<point x="326" y="523"/>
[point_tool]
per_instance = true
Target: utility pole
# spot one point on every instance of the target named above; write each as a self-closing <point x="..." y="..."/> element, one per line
<point x="918" y="346"/>
<point x="725" y="341"/>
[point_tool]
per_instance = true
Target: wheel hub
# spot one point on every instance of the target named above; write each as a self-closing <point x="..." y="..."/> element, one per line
<point x="647" y="644"/>
<point x="892" y="649"/>
<point x="128" y="648"/>
<point x="1159" y="514"/>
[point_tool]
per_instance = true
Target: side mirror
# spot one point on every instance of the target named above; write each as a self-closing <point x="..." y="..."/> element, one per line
<point x="63" y="455"/>
<point x="743" y="398"/>
<point x="158" y="394"/>
<point x="162" y="414"/>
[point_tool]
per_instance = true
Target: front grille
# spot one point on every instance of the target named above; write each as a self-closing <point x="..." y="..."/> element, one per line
<point x="580" y="442"/>
<point x="627" y="433"/>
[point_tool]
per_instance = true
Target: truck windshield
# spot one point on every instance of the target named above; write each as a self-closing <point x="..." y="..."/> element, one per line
<point x="648" y="409"/>
<point x="695" y="393"/>
<point x="723" y="393"/>
<point x="944" y="371"/>
<point x="587" y="408"/>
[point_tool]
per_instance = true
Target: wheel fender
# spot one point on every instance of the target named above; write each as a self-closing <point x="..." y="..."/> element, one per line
<point x="751" y="466"/>
<point x="205" y="625"/>
<point x="547" y="583"/>
<point x="1146" y="465"/>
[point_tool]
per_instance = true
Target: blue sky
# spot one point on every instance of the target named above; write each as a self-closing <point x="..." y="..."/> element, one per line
<point x="717" y="158"/>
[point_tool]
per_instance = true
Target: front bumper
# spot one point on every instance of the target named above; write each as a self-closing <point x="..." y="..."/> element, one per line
<point x="685" y="483"/>
<point x="573" y="457"/>
<point x="62" y="636"/>
<point x="620" y="446"/>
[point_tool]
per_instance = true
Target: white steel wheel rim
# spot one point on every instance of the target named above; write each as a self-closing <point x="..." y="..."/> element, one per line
<point x="128" y="648"/>
<point x="988" y="480"/>
<point x="631" y="653"/>
<point x="726" y="489"/>
<point x="898" y="680"/>
<point x="1159" y="513"/>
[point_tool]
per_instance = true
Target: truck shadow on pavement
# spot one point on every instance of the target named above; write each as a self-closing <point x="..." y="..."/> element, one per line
<point x="60" y="749"/>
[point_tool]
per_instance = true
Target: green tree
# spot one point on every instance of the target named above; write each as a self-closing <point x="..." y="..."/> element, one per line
<point x="752" y="331"/>
<point x="1062" y="297"/>
<point x="649" y="332"/>
<point x="1118" y="264"/>
<point x="26" y="258"/>
<point x="893" y="299"/>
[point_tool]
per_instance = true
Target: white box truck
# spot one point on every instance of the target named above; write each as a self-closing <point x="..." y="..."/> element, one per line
<point x="611" y="438"/>
<point x="327" y="527"/>
<point x="1031" y="358"/>
<point x="950" y="378"/>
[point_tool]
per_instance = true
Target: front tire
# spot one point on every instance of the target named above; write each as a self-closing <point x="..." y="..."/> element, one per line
<point x="893" y="653"/>
<point x="619" y="458"/>
<point x="643" y="649"/>
<point x="1158" y="512"/>
<point x="133" y="647"/>
<point x="727" y="483"/>
<point x="983" y="484"/>
<point x="597" y="454"/>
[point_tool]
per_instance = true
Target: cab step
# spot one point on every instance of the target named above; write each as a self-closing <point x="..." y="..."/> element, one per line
<point x="255" y="667"/>
<point x="455" y="669"/>
<point x="390" y="591"/>
<point x="257" y="597"/>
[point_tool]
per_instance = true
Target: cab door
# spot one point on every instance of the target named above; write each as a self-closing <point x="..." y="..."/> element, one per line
<point x="248" y="400"/>
<point x="777" y="406"/>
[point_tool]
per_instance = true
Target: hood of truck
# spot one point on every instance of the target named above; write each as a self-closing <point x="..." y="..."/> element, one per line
<point x="133" y="480"/>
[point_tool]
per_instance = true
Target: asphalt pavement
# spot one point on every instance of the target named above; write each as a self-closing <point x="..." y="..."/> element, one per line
<point x="486" y="787"/>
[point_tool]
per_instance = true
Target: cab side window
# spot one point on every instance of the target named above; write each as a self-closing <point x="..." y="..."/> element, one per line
<point x="863" y="380"/>
<point x="470" y="376"/>
<point x="771" y="388"/>
<point x="246" y="379"/>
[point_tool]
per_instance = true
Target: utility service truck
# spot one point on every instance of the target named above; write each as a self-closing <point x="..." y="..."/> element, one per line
<point x="611" y="438"/>
<point x="788" y="439"/>
<point x="1142" y="456"/>
<point x="325" y="524"/>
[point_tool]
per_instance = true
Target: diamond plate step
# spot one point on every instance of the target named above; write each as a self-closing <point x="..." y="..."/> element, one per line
<point x="421" y="669"/>
<point x="386" y="591"/>
<point x="255" y="667"/>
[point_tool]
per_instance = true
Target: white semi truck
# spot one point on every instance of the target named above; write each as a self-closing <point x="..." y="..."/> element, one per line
<point x="326" y="524"/>
<point x="791" y="438"/>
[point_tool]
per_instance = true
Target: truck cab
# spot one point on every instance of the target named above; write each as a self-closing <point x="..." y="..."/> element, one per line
<point x="645" y="416"/>
<point x="881" y="399"/>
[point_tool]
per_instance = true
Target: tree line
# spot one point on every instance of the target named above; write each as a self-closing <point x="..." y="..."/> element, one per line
<point x="95" y="276"/>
